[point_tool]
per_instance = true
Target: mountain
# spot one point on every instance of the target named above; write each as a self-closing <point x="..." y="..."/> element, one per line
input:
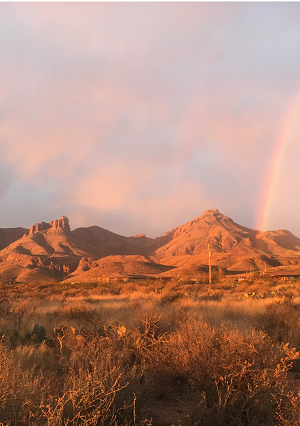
<point x="225" y="236"/>
<point x="9" y="235"/>
<point x="53" y="239"/>
<point x="115" y="244"/>
<point x="233" y="246"/>
<point x="91" y="269"/>
<point x="51" y="251"/>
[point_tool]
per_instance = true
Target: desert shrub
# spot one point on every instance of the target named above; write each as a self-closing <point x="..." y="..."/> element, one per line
<point x="4" y="311"/>
<point x="129" y="288"/>
<point x="170" y="296"/>
<point x="96" y="389"/>
<point x="215" y="297"/>
<point x="22" y="311"/>
<point x="102" y="385"/>
<point x="95" y="370"/>
<point x="88" y="400"/>
<point x="191" y="289"/>
<point x="76" y="310"/>
<point x="20" y="389"/>
<point x="76" y="379"/>
<point x="4" y="379"/>
<point x="281" y="320"/>
<point x="233" y="378"/>
<point x="288" y="413"/>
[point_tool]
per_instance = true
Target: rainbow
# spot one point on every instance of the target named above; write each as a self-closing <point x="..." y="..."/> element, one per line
<point x="274" y="165"/>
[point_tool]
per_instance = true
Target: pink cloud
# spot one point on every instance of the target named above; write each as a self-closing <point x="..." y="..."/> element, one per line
<point x="127" y="107"/>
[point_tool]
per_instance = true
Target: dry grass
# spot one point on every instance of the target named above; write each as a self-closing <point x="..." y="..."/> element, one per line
<point x="113" y="352"/>
<point x="234" y="378"/>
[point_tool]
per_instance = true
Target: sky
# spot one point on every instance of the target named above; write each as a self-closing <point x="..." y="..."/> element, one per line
<point x="139" y="116"/>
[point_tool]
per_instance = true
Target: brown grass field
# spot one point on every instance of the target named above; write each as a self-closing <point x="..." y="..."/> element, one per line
<point x="151" y="353"/>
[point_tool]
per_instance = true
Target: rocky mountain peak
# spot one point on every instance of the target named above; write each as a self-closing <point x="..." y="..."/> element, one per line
<point x="41" y="226"/>
<point x="213" y="214"/>
<point x="62" y="223"/>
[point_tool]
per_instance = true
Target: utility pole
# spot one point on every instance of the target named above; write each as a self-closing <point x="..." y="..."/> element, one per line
<point x="209" y="265"/>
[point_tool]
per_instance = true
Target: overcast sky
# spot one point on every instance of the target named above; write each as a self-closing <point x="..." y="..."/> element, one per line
<point x="137" y="117"/>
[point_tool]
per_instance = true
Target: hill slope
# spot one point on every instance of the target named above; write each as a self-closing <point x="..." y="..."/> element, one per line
<point x="10" y="235"/>
<point x="89" y="269"/>
<point x="115" y="244"/>
<point x="56" y="251"/>
<point x="225" y="236"/>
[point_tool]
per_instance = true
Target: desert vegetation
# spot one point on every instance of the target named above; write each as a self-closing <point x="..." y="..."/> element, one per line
<point x="150" y="353"/>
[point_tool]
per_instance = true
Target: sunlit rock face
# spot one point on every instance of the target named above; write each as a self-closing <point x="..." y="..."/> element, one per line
<point x="62" y="223"/>
<point x="52" y="251"/>
<point x="41" y="226"/>
<point x="57" y="224"/>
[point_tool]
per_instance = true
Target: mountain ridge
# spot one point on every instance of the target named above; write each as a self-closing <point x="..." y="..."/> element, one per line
<point x="53" y="249"/>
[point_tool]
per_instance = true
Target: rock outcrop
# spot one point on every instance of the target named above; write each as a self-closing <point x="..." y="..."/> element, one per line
<point x="57" y="224"/>
<point x="87" y="263"/>
<point x="41" y="226"/>
<point x="37" y="262"/>
<point x="62" y="223"/>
